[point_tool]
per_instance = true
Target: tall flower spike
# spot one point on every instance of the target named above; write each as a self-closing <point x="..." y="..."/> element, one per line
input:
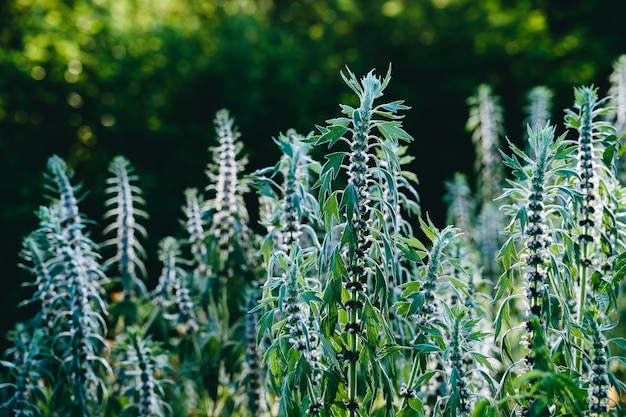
<point x="533" y="193"/>
<point x="195" y="224"/>
<point x="357" y="256"/>
<point x="486" y="123"/>
<point x="171" y="272"/>
<point x="123" y="214"/>
<point x="420" y="302"/>
<point x="598" y="375"/>
<point x="38" y="260"/>
<point x="230" y="217"/>
<point x="594" y="169"/>
<point x="539" y="107"/>
<point x="80" y="326"/>
<point x="617" y="94"/>
<point x="140" y="365"/>
<point x="460" y="204"/>
<point x="27" y="368"/>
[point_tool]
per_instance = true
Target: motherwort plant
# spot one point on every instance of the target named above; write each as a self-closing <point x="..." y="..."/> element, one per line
<point x="350" y="302"/>
<point x="531" y="254"/>
<point x="124" y="232"/>
<point x="357" y="248"/>
<point x="290" y="294"/>
<point x="70" y="327"/>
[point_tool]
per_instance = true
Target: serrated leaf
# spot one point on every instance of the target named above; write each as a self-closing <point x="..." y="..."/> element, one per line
<point x="394" y="106"/>
<point x="409" y="411"/>
<point x="331" y="210"/>
<point x="392" y="131"/>
<point x="330" y="134"/>
<point x="427" y="348"/>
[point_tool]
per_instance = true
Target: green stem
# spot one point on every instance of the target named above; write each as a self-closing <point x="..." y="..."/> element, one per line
<point x="352" y="374"/>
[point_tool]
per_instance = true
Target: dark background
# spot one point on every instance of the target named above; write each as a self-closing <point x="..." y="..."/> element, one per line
<point x="145" y="78"/>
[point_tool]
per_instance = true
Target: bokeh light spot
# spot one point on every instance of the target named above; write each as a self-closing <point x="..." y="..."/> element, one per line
<point x="38" y="73"/>
<point x="70" y="77"/>
<point x="107" y="120"/>
<point x="75" y="67"/>
<point x="392" y="8"/>
<point x="75" y="100"/>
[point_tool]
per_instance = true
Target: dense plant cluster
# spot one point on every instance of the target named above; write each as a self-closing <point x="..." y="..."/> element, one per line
<point x="333" y="305"/>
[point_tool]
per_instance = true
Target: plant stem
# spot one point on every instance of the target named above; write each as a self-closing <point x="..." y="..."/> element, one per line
<point x="582" y="298"/>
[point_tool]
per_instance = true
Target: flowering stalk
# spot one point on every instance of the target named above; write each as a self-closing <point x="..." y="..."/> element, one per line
<point x="358" y="258"/>
<point x="230" y="217"/>
<point x="254" y="364"/>
<point x="460" y="205"/>
<point x="195" y="225"/>
<point x="486" y="123"/>
<point x="598" y="376"/>
<point x="27" y="366"/>
<point x="617" y="94"/>
<point x="173" y="290"/>
<point x="125" y="196"/>
<point x="534" y="212"/>
<point x="140" y="366"/>
<point x="459" y="403"/>
<point x="290" y="251"/>
<point x="80" y="328"/>
<point x="539" y="108"/>
<point x="592" y="131"/>
<point x="420" y="302"/>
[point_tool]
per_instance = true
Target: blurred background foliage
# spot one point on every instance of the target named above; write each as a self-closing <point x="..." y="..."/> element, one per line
<point x="91" y="79"/>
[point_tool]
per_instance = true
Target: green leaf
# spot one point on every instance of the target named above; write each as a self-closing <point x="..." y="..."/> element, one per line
<point x="392" y="131"/>
<point x="427" y="348"/>
<point x="310" y="296"/>
<point x="619" y="341"/>
<point x="333" y="163"/>
<point x="395" y="106"/>
<point x="409" y="411"/>
<point x="330" y="134"/>
<point x="331" y="210"/>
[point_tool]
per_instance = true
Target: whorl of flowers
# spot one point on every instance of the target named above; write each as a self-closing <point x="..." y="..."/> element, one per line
<point x="125" y="196"/>
<point x="486" y="122"/>
<point x="461" y="393"/>
<point x="230" y="215"/>
<point x="169" y="253"/>
<point x="598" y="375"/>
<point x="539" y="108"/>
<point x="141" y="367"/>
<point x="297" y="204"/>
<point x="420" y="301"/>
<point x="617" y="93"/>
<point x="254" y="364"/>
<point x="460" y="204"/>
<point x="59" y="183"/>
<point x="538" y="240"/>
<point x="39" y="264"/>
<point x="173" y="289"/>
<point x="27" y="369"/>
<point x="195" y="225"/>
